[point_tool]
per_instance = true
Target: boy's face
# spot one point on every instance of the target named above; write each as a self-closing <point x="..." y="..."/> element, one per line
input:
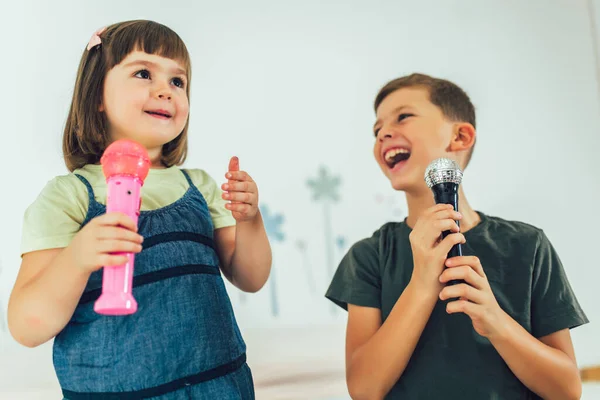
<point x="145" y="100"/>
<point x="410" y="133"/>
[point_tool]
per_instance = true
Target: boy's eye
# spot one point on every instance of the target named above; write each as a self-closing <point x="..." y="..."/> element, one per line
<point x="179" y="82"/>
<point x="144" y="74"/>
<point x="401" y="118"/>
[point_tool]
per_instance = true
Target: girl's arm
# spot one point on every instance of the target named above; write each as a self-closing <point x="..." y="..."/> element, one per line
<point x="245" y="254"/>
<point x="44" y="296"/>
<point x="50" y="282"/>
<point x="244" y="250"/>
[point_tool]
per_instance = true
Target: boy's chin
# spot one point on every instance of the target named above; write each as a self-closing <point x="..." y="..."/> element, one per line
<point x="399" y="182"/>
<point x="407" y="184"/>
<point x="401" y="185"/>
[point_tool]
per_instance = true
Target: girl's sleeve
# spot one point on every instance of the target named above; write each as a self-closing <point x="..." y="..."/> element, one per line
<point x="221" y="216"/>
<point x="55" y="216"/>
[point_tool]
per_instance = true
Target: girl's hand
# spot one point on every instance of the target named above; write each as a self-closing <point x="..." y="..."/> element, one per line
<point x="95" y="245"/>
<point x="242" y="192"/>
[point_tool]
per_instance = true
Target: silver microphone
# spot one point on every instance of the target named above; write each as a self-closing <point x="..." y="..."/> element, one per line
<point x="443" y="176"/>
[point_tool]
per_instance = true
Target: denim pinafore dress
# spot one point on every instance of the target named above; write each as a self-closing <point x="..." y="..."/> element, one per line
<point x="183" y="342"/>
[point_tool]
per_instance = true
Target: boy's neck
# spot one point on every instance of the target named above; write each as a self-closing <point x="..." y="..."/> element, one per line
<point x="419" y="202"/>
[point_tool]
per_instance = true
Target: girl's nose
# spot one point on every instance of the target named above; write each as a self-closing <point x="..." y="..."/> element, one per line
<point x="163" y="93"/>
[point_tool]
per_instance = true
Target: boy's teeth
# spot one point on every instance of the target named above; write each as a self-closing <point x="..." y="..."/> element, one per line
<point x="392" y="153"/>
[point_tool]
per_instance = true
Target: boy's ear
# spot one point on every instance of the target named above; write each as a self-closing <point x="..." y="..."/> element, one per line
<point x="463" y="137"/>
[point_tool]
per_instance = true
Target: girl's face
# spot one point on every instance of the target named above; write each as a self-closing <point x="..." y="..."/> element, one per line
<point x="145" y="100"/>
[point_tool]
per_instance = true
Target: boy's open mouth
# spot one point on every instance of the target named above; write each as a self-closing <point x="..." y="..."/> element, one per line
<point x="396" y="155"/>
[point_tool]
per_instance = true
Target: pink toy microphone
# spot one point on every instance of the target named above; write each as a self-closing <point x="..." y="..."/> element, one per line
<point x="125" y="165"/>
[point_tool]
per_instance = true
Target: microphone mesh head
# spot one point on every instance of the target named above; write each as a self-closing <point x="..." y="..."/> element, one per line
<point x="125" y="157"/>
<point x="443" y="170"/>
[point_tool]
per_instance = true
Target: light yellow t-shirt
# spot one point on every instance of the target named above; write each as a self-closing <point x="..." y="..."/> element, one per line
<point x="56" y="215"/>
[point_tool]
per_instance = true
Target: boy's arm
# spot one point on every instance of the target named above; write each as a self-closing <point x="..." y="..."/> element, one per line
<point x="546" y="366"/>
<point x="376" y="355"/>
<point x="245" y="254"/>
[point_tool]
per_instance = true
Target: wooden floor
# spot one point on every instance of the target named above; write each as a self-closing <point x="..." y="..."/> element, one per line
<point x="304" y="387"/>
<point x="310" y="369"/>
<point x="591" y="374"/>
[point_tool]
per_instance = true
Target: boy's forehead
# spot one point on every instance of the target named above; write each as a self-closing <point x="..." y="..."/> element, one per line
<point x="411" y="97"/>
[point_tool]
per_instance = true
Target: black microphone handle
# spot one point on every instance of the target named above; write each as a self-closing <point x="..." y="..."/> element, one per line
<point x="447" y="193"/>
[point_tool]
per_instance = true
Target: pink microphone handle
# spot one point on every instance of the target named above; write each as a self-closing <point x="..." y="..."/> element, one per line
<point x="117" y="299"/>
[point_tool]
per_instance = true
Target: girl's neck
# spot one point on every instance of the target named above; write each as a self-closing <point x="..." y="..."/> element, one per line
<point x="419" y="202"/>
<point x="156" y="158"/>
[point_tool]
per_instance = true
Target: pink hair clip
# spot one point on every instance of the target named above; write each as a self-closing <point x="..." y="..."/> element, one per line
<point x="95" y="39"/>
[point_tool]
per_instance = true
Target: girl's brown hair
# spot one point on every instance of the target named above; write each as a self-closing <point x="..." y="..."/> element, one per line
<point x="85" y="137"/>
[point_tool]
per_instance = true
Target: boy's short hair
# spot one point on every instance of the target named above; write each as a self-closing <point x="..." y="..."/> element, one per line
<point x="86" y="131"/>
<point x="449" y="97"/>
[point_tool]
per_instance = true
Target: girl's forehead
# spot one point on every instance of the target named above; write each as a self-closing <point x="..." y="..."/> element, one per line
<point x="141" y="57"/>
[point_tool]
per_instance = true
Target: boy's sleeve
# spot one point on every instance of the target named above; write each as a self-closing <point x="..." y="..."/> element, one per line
<point x="221" y="216"/>
<point x="358" y="279"/>
<point x="553" y="304"/>
<point x="55" y="216"/>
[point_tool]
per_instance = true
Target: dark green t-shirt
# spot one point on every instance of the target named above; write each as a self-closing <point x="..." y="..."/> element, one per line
<point x="451" y="361"/>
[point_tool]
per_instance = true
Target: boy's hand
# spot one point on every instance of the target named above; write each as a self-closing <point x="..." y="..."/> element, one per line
<point x="475" y="297"/>
<point x="242" y="192"/>
<point x="429" y="252"/>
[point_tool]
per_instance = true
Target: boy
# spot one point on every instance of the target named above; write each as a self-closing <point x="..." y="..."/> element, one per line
<point x="504" y="334"/>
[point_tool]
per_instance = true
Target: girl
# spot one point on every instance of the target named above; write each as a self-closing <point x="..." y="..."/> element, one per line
<point x="183" y="342"/>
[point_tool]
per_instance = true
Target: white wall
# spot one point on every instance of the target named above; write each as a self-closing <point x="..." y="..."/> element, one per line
<point x="288" y="88"/>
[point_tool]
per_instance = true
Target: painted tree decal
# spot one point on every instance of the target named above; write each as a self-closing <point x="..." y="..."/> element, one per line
<point x="310" y="279"/>
<point x="325" y="189"/>
<point x="273" y="223"/>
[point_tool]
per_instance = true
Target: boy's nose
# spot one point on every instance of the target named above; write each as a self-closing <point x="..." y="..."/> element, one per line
<point x="384" y="135"/>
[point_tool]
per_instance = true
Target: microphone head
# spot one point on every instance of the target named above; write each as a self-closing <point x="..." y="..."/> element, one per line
<point x="443" y="170"/>
<point x="125" y="157"/>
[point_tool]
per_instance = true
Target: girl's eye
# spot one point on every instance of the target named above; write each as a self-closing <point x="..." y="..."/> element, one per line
<point x="179" y="82"/>
<point x="144" y="74"/>
<point x="376" y="132"/>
